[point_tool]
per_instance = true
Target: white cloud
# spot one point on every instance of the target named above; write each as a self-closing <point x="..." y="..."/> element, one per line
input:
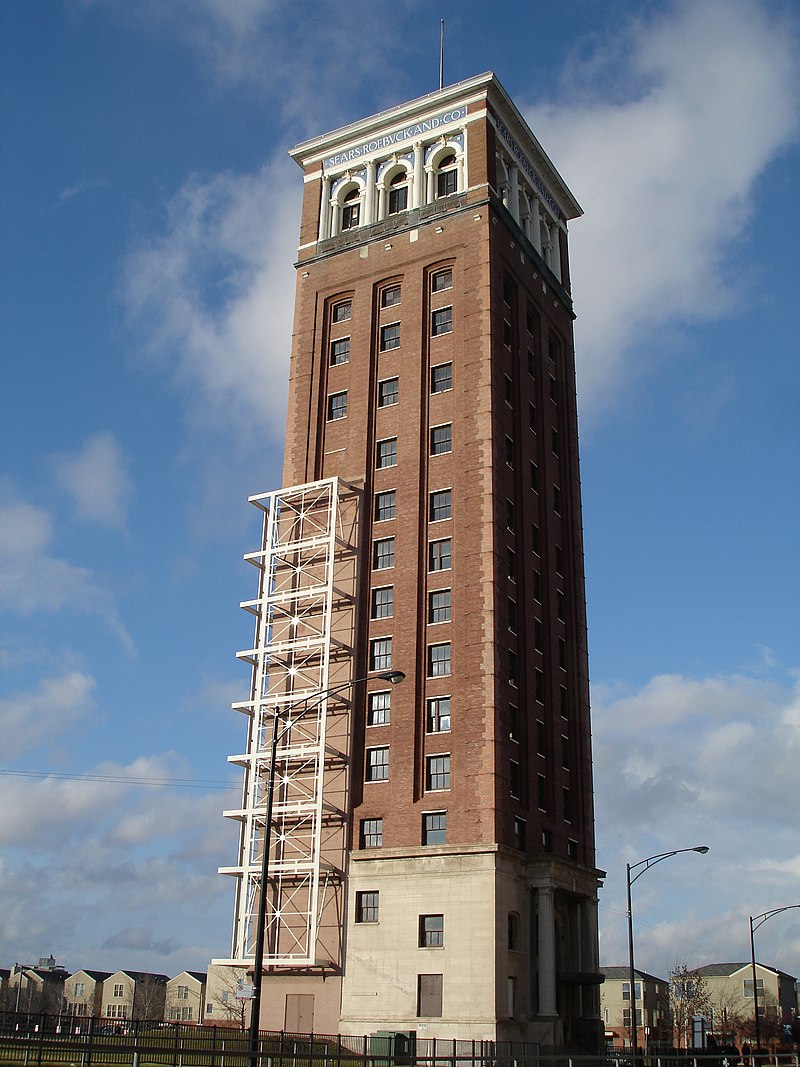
<point x="213" y="295"/>
<point x="33" y="580"/>
<point x="73" y="850"/>
<point x="97" y="481"/>
<point x="28" y="720"/>
<point x="663" y="145"/>
<point x="687" y="761"/>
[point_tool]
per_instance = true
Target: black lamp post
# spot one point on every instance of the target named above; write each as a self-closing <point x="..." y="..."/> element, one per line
<point x="755" y="922"/>
<point x="645" y="865"/>
<point x="307" y="703"/>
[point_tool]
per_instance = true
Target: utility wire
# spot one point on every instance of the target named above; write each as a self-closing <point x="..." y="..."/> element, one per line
<point x="125" y="779"/>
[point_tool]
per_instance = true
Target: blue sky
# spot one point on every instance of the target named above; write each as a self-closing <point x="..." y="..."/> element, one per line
<point x="149" y="217"/>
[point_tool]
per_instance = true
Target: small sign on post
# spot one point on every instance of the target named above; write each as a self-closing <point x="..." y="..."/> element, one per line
<point x="244" y="991"/>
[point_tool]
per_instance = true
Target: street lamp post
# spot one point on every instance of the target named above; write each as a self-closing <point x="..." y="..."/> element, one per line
<point x="755" y="922"/>
<point x="395" y="677"/>
<point x="645" y="865"/>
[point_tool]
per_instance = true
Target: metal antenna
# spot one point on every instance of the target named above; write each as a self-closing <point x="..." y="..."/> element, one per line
<point x="441" y="55"/>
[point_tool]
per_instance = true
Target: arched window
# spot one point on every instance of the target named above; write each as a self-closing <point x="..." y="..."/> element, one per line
<point x="447" y="175"/>
<point x="351" y="210"/>
<point x="398" y="193"/>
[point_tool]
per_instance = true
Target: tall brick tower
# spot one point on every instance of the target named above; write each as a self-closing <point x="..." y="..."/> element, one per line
<point x="432" y="863"/>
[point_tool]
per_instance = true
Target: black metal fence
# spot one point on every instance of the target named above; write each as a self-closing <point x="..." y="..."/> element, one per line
<point x="36" y="1040"/>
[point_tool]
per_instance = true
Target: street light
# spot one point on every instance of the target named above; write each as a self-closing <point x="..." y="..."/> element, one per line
<point x="395" y="677"/>
<point x="646" y="864"/>
<point x="755" y="922"/>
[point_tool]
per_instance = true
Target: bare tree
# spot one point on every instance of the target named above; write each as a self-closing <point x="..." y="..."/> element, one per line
<point x="227" y="1006"/>
<point x="149" y="996"/>
<point x="688" y="997"/>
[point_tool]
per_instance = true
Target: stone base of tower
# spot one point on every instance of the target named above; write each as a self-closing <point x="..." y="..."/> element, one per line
<point x="474" y="943"/>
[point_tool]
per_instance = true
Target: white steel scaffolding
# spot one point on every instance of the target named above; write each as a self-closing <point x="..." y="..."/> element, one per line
<point x="302" y="648"/>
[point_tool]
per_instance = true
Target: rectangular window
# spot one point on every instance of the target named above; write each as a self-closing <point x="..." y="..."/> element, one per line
<point x="540" y="737"/>
<point x="385" y="505"/>
<point x="511" y="564"/>
<point x="541" y="792"/>
<point x="513" y="931"/>
<point x="390" y="296"/>
<point x="532" y="416"/>
<point x="371" y="833"/>
<point x="383" y="554"/>
<point x="438" y="717"/>
<point x="429" y="996"/>
<point x="434" y="828"/>
<point x="439" y="605"/>
<point x="441" y="439"/>
<point x="379" y="708"/>
<point x="537" y="586"/>
<point x="441" y="505"/>
<point x="538" y="685"/>
<point x="388" y="392"/>
<point x="748" y="987"/>
<point x="511" y="990"/>
<point x="556" y="500"/>
<point x="442" y="321"/>
<point x="510" y="452"/>
<point x="377" y="764"/>
<point x="367" y="906"/>
<point x="520" y="834"/>
<point x="572" y="848"/>
<point x="561" y="604"/>
<point x="337" y="406"/>
<point x="562" y="653"/>
<point x="554" y="441"/>
<point x="512" y="614"/>
<point x="441" y="377"/>
<point x="513" y="722"/>
<point x="511" y="515"/>
<point x="439" y="660"/>
<point x="118" y="990"/>
<point x="386" y="453"/>
<point x="559" y="560"/>
<point x="507" y="335"/>
<point x="508" y="390"/>
<point x="547" y="840"/>
<point x="513" y="778"/>
<point x="553" y="389"/>
<point x="536" y="540"/>
<point x="565" y="752"/>
<point x="538" y="635"/>
<point x="382" y="602"/>
<point x="566" y="803"/>
<point x="80" y="989"/>
<point x="390" y="337"/>
<point x="340" y="351"/>
<point x="534" y="478"/>
<point x="513" y="668"/>
<point x="441" y="280"/>
<point x="343" y="312"/>
<point x="350" y="216"/>
<point x="398" y="199"/>
<point x="531" y="364"/>
<point x="380" y="654"/>
<point x="446" y="182"/>
<point x="440" y="555"/>
<point x="438" y="772"/>
<point x="564" y="703"/>
<point x="182" y="992"/>
<point x="431" y="931"/>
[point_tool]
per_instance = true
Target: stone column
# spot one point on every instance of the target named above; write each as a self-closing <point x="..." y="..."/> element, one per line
<point x="555" y="241"/>
<point x="418" y="185"/>
<point x="369" y="196"/>
<point x="325" y="210"/>
<point x="513" y="191"/>
<point x="547" y="951"/>
<point x="536" y="225"/>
